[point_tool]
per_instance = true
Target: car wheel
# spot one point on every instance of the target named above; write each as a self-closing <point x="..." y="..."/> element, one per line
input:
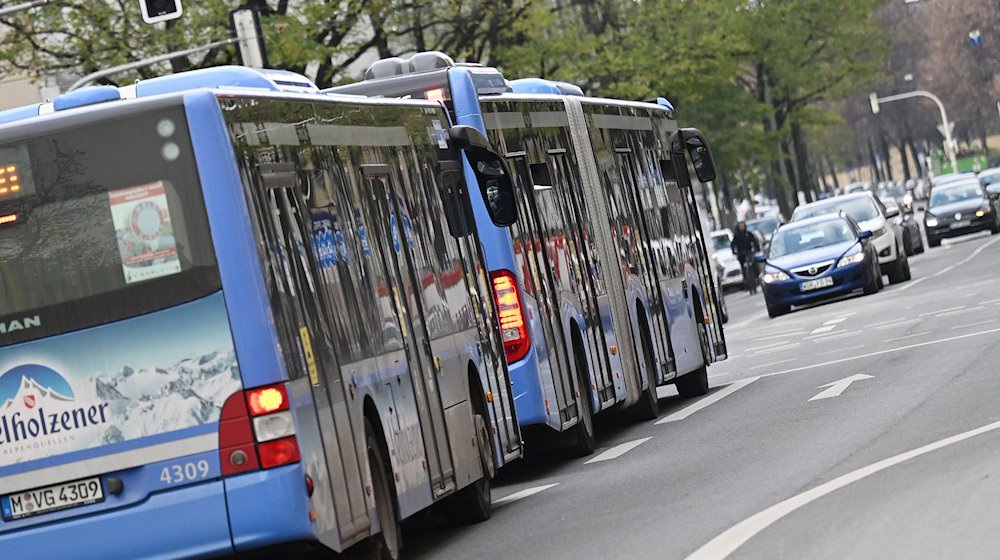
<point x="872" y="287"/>
<point x="995" y="228"/>
<point x="777" y="310"/>
<point x="907" y="244"/>
<point x="931" y="242"/>
<point x="920" y="244"/>
<point x="899" y="270"/>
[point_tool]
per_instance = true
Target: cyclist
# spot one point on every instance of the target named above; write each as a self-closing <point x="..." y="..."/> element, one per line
<point x="745" y="245"/>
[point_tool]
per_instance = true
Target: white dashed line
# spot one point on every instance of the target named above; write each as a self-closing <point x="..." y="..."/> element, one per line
<point x="960" y="311"/>
<point x="772" y="344"/>
<point x="836" y="336"/>
<point x="942" y="311"/>
<point x="528" y="492"/>
<point x="776" y="349"/>
<point x="986" y="322"/>
<point x="914" y="335"/>
<point x="824" y="329"/>
<point x="839" y="350"/>
<point x="618" y="450"/>
<point x="769" y="364"/>
<point x="886" y="324"/>
<point x="710" y="399"/>
<point x="780" y="335"/>
<point x="898" y="323"/>
<point x="991" y="301"/>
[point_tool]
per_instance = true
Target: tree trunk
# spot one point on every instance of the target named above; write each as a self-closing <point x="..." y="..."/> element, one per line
<point x="876" y="172"/>
<point x="886" y="160"/>
<point x="727" y="210"/>
<point x="833" y="173"/>
<point x="917" y="164"/>
<point x="906" y="160"/>
<point x="805" y="183"/>
<point x="789" y="168"/>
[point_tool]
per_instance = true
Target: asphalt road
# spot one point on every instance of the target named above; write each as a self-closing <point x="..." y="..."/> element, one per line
<point x="903" y="461"/>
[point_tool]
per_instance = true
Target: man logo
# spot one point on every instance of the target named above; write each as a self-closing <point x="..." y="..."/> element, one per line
<point x="20" y="324"/>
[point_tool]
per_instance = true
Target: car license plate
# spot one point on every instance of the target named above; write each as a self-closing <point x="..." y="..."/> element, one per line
<point x="961" y="224"/>
<point x="52" y="498"/>
<point x="816" y="284"/>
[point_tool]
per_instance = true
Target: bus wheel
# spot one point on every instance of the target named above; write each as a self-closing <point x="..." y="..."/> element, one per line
<point x="693" y="384"/>
<point x="583" y="443"/>
<point x="473" y="504"/>
<point x="648" y="407"/>
<point x="387" y="544"/>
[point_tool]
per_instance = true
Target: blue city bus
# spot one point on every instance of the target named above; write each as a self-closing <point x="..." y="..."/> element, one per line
<point x="240" y="317"/>
<point x="599" y="340"/>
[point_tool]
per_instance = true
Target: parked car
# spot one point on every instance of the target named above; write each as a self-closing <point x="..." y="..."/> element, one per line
<point x="961" y="207"/>
<point x="913" y="243"/>
<point x="727" y="266"/>
<point x="818" y="258"/>
<point x="765" y="227"/>
<point x="871" y="215"/>
<point x="989" y="177"/>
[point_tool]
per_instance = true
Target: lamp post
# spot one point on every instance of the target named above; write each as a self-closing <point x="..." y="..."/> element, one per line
<point x="949" y="147"/>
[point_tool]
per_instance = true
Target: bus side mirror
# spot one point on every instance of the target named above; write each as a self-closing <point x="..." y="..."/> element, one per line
<point x="692" y="141"/>
<point x="491" y="174"/>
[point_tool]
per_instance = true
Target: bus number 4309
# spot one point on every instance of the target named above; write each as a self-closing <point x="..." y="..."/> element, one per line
<point x="187" y="472"/>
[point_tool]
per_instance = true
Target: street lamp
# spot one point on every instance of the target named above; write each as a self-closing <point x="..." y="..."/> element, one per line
<point x="949" y="147"/>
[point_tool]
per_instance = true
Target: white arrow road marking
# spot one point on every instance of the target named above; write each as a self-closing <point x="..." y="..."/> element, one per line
<point x="736" y="536"/>
<point x="522" y="495"/>
<point x="618" y="450"/>
<point x="709" y="400"/>
<point x="837" y="387"/>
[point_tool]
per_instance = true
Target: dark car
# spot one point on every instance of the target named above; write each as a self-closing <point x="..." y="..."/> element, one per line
<point x="818" y="258"/>
<point x="913" y="243"/>
<point x="764" y="227"/>
<point x="958" y="208"/>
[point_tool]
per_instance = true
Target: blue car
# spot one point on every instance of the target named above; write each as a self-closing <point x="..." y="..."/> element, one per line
<point x="818" y="258"/>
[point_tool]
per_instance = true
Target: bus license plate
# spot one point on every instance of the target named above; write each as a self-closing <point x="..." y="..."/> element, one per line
<point x="817" y="284"/>
<point x="52" y="498"/>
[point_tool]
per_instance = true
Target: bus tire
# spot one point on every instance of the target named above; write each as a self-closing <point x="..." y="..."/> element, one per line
<point x="648" y="407"/>
<point x="473" y="504"/>
<point x="388" y="543"/>
<point x="693" y="384"/>
<point x="584" y="441"/>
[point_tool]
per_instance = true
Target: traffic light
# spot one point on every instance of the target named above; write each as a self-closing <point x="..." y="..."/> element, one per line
<point x="155" y="11"/>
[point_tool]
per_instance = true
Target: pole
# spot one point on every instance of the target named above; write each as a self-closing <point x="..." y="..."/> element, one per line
<point x="949" y="147"/>
<point x="23" y="6"/>
<point x="147" y="62"/>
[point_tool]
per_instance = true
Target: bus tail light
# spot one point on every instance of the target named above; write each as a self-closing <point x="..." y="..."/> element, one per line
<point x="513" y="324"/>
<point x="256" y="431"/>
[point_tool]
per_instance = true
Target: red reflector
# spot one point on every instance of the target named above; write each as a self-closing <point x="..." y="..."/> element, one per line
<point x="278" y="452"/>
<point x="510" y="307"/>
<point x="265" y="400"/>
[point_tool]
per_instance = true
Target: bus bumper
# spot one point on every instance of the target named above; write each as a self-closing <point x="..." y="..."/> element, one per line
<point x="269" y="507"/>
<point x="529" y="400"/>
<point x="188" y="522"/>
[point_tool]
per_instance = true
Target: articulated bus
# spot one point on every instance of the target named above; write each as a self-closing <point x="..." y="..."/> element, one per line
<point x="237" y="317"/>
<point x="614" y="275"/>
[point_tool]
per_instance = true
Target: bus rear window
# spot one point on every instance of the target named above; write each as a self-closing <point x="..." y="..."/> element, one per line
<point x="108" y="222"/>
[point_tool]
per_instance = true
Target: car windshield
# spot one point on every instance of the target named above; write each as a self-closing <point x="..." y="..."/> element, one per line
<point x="721" y="242"/>
<point x="860" y="209"/>
<point x="797" y="239"/>
<point x="957" y="193"/>
<point x="764" y="226"/>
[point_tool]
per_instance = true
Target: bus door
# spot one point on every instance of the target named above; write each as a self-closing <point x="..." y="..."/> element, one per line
<point x="699" y="254"/>
<point x="537" y="236"/>
<point x="402" y="283"/>
<point x="636" y="192"/>
<point x="570" y="195"/>
<point x="286" y="223"/>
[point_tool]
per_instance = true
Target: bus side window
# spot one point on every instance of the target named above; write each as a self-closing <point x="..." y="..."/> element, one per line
<point x="457" y="208"/>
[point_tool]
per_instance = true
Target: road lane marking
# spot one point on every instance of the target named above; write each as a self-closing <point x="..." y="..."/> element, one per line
<point x="709" y="400"/>
<point x="838" y="350"/>
<point x="776" y="349"/>
<point x="773" y="344"/>
<point x="976" y="324"/>
<point x="769" y="364"/>
<point x="914" y="335"/>
<point x="837" y="336"/>
<point x="887" y="324"/>
<point x="881" y="352"/>
<point x="898" y="323"/>
<point x="774" y="336"/>
<point x="957" y="308"/>
<point x="959" y="312"/>
<point x="736" y="536"/>
<point x="618" y="450"/>
<point x="823" y="329"/>
<point x="980" y="249"/>
<point x="836" y="388"/>
<point x="528" y="492"/>
<point x="990" y="301"/>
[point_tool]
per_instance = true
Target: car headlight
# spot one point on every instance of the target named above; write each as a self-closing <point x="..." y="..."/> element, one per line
<point x="980" y="213"/>
<point x="930" y="221"/>
<point x="774" y="276"/>
<point x="848" y="260"/>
